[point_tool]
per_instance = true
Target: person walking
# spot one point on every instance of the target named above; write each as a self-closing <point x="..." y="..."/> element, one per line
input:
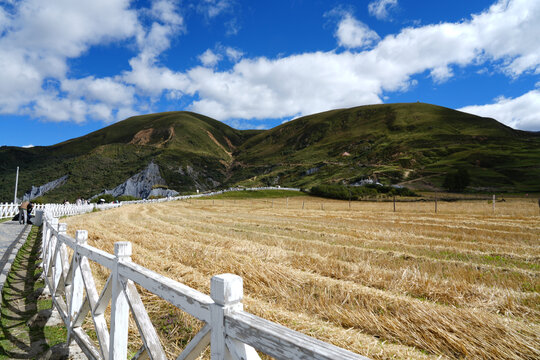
<point x="23" y="212"/>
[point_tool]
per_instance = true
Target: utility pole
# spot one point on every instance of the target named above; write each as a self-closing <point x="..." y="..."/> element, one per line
<point x="16" y="184"/>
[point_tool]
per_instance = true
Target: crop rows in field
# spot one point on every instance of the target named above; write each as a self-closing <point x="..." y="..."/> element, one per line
<point x="410" y="284"/>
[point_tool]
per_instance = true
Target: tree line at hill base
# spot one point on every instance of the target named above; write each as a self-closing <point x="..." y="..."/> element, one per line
<point x="345" y="192"/>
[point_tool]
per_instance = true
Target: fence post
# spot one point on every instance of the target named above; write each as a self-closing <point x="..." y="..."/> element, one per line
<point x="119" y="306"/>
<point x="44" y="240"/>
<point x="227" y="292"/>
<point x="53" y="225"/>
<point x="77" y="286"/>
<point x="58" y="263"/>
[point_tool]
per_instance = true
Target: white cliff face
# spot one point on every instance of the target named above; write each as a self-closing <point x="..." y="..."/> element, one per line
<point x="41" y="190"/>
<point x="162" y="192"/>
<point x="140" y="185"/>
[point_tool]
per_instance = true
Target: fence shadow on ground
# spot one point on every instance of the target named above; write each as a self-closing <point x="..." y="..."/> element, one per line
<point x="23" y="314"/>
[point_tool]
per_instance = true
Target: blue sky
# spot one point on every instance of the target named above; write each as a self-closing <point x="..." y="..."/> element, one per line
<point x="71" y="67"/>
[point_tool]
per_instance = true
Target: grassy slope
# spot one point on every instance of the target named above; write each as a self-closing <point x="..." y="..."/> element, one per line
<point x="392" y="141"/>
<point x="396" y="142"/>
<point x="105" y="158"/>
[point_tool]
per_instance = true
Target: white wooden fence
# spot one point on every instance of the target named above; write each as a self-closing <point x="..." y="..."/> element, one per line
<point x="230" y="332"/>
<point x="8" y="210"/>
<point x="56" y="210"/>
<point x="210" y="193"/>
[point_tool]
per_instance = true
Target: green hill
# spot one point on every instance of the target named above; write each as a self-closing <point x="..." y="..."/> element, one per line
<point x="191" y="150"/>
<point x="413" y="144"/>
<point x="395" y="143"/>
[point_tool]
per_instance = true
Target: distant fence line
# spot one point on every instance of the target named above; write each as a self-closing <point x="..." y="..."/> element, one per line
<point x="57" y="210"/>
<point x="231" y="332"/>
<point x="212" y="193"/>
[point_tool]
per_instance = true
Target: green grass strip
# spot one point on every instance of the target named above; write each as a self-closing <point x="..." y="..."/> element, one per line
<point x="20" y="337"/>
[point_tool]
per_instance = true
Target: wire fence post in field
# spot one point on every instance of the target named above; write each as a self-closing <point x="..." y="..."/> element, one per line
<point x="493" y="203"/>
<point x="287" y="206"/>
<point x="435" y="203"/>
<point x="303" y="201"/>
<point x="394" y="203"/>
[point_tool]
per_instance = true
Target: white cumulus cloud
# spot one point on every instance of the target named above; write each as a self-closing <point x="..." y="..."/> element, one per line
<point x="104" y="90"/>
<point x="522" y="112"/>
<point x="38" y="39"/>
<point x="35" y="48"/>
<point x="352" y="33"/>
<point x="380" y="8"/>
<point x="213" y="8"/>
<point x="209" y="58"/>
<point x="310" y="82"/>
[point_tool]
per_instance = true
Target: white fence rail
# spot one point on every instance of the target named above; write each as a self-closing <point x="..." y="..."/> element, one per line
<point x="211" y="193"/>
<point x="56" y="210"/>
<point x="230" y="332"/>
<point x="8" y="210"/>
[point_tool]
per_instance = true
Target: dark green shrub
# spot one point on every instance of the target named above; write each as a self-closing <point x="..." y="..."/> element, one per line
<point x="127" y="198"/>
<point x="457" y="181"/>
<point x="107" y="197"/>
<point x="344" y="192"/>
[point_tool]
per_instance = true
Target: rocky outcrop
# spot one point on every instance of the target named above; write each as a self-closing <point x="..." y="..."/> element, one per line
<point x="200" y="180"/>
<point x="159" y="192"/>
<point x="141" y="185"/>
<point x="41" y="190"/>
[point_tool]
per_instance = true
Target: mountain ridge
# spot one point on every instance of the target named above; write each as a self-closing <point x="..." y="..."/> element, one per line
<point x="394" y="143"/>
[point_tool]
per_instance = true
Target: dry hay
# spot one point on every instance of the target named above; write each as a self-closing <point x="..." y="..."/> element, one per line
<point x="462" y="283"/>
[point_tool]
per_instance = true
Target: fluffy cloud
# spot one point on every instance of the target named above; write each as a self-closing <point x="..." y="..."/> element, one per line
<point x="36" y="46"/>
<point x="300" y="84"/>
<point x="146" y="74"/>
<point x="352" y="33"/>
<point x="209" y="58"/>
<point x="42" y="36"/>
<point x="152" y="79"/>
<point x="311" y="82"/>
<point x="380" y="8"/>
<point x="106" y="90"/>
<point x="521" y="112"/>
<point x="212" y="8"/>
<point x="233" y="54"/>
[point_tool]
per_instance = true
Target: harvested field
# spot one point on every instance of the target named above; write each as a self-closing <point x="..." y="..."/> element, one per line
<point x="462" y="283"/>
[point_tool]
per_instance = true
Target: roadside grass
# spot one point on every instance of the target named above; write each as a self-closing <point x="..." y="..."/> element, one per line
<point x="20" y="336"/>
<point x="4" y="220"/>
<point x="256" y="194"/>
